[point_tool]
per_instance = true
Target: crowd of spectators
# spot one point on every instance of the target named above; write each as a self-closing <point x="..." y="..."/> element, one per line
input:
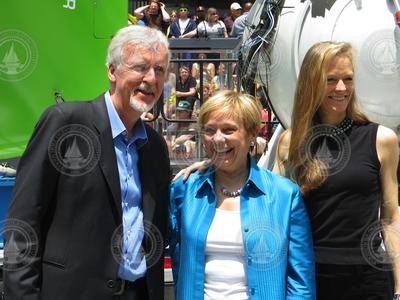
<point x="183" y="87"/>
<point x="184" y="19"/>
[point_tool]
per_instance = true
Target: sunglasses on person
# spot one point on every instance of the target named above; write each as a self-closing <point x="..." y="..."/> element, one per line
<point x="183" y="10"/>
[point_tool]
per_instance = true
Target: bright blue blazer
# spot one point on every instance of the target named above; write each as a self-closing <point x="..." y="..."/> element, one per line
<point x="278" y="250"/>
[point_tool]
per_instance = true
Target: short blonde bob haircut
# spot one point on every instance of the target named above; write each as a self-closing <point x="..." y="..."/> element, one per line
<point x="242" y="107"/>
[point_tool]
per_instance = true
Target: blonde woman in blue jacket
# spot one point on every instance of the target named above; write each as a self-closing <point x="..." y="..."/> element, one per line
<point x="238" y="231"/>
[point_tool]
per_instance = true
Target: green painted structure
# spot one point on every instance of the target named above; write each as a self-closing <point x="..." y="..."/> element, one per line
<point x="49" y="47"/>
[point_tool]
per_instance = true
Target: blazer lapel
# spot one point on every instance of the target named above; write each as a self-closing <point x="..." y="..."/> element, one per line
<point x="108" y="159"/>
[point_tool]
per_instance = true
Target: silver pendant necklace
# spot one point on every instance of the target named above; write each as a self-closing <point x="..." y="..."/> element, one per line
<point x="229" y="193"/>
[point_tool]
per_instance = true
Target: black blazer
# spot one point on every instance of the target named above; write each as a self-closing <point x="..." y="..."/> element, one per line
<point x="74" y="217"/>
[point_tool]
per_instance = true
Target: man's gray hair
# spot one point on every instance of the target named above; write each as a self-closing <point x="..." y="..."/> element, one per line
<point x="134" y="35"/>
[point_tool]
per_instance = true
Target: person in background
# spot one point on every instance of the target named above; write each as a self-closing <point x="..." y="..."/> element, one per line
<point x="240" y="22"/>
<point x="185" y="87"/>
<point x="183" y="24"/>
<point x="180" y="27"/>
<point x="208" y="70"/>
<point x="220" y="81"/>
<point x="154" y="15"/>
<point x="173" y="16"/>
<point x="200" y="15"/>
<point x="181" y="136"/>
<point x="345" y="166"/>
<point x="169" y="91"/>
<point x="238" y="231"/>
<point x="211" y="27"/>
<point x="264" y="133"/>
<point x="247" y="7"/>
<point x="132" y="20"/>
<point x="236" y="11"/>
<point x="206" y="94"/>
<point x="92" y="188"/>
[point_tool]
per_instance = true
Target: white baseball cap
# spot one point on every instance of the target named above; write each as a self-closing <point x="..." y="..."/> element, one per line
<point x="235" y="6"/>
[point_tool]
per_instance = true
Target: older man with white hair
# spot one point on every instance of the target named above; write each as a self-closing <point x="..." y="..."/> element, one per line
<point x="89" y="211"/>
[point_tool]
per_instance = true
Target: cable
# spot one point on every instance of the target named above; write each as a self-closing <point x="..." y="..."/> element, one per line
<point x="259" y="46"/>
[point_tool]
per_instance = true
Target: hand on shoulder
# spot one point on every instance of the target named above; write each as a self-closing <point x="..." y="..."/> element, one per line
<point x="200" y="166"/>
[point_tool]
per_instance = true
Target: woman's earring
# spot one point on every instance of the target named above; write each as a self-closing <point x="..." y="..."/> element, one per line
<point x="252" y="144"/>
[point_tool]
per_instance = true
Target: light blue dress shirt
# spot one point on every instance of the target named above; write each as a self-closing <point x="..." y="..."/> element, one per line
<point x="277" y="242"/>
<point x="133" y="262"/>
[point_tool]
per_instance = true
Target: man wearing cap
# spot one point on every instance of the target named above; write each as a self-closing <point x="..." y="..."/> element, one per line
<point x="236" y="11"/>
<point x="240" y="22"/>
<point x="185" y="87"/>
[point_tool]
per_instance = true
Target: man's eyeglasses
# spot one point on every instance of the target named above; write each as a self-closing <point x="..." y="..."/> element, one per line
<point x="183" y="10"/>
<point x="143" y="69"/>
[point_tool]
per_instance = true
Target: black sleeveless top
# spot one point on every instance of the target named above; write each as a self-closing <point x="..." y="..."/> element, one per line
<point x="348" y="202"/>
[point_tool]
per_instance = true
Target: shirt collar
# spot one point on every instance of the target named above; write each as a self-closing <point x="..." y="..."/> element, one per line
<point x="255" y="179"/>
<point x="139" y="135"/>
<point x="206" y="180"/>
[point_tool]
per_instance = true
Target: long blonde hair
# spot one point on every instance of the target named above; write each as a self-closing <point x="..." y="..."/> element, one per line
<point x="309" y="95"/>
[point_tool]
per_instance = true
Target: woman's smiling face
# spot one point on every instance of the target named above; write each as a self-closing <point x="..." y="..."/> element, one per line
<point x="339" y="87"/>
<point x="226" y="141"/>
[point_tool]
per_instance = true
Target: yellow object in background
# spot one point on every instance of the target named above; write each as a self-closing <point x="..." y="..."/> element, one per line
<point x="172" y="99"/>
<point x="132" y="19"/>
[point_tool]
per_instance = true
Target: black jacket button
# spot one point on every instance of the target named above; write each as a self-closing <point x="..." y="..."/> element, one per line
<point x="111" y="283"/>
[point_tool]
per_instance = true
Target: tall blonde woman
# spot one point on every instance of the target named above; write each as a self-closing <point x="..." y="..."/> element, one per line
<point x="238" y="231"/>
<point x="345" y="166"/>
